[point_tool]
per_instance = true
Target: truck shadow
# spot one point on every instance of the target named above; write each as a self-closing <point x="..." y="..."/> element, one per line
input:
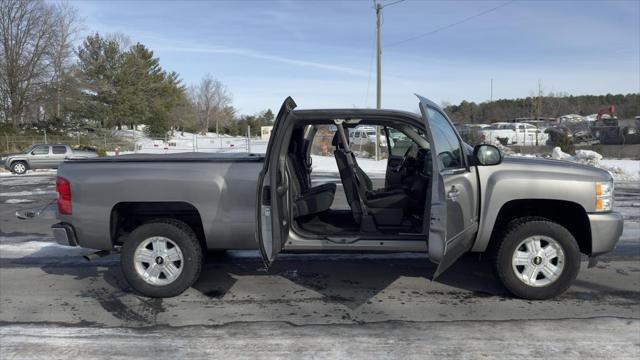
<point x="355" y="281"/>
<point x="347" y="280"/>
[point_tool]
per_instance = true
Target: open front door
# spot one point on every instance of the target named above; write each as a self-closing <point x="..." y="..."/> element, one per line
<point x="451" y="196"/>
<point x="273" y="187"/>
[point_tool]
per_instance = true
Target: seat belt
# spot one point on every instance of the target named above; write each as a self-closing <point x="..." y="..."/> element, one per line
<point x="367" y="222"/>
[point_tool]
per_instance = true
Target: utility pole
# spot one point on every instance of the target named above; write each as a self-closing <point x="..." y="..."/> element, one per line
<point x="539" y="107"/>
<point x="378" y="7"/>
<point x="249" y="138"/>
<point x="379" y="57"/>
<point x="491" y="98"/>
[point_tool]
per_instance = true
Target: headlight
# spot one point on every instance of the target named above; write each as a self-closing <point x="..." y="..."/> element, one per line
<point x="604" y="196"/>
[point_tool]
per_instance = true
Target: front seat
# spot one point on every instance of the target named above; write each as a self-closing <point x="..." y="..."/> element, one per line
<point x="385" y="205"/>
<point x="307" y="200"/>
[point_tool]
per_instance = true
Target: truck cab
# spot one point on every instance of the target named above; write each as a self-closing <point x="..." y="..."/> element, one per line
<point x="433" y="209"/>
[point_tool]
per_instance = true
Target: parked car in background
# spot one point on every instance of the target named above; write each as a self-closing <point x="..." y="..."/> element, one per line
<point x="363" y="135"/>
<point x="617" y="131"/>
<point x="578" y="133"/>
<point x="44" y="156"/>
<point x="514" y="133"/>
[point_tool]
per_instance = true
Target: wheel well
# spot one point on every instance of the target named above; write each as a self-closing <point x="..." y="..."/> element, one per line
<point x="19" y="160"/>
<point x="570" y="215"/>
<point x="126" y="216"/>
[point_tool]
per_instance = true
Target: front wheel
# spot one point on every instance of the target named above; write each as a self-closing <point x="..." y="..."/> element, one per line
<point x="537" y="259"/>
<point x="19" y="167"/>
<point x="162" y="258"/>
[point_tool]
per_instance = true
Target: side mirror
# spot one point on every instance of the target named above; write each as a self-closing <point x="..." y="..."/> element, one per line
<point x="487" y="155"/>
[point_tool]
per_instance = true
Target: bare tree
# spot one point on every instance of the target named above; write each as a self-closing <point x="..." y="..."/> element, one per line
<point x="25" y="33"/>
<point x="122" y="40"/>
<point x="66" y="27"/>
<point x="210" y="97"/>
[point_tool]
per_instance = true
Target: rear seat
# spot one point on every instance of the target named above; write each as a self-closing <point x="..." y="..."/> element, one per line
<point x="307" y="200"/>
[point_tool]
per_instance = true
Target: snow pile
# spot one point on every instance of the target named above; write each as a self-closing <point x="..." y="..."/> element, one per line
<point x="558" y="154"/>
<point x="621" y="170"/>
<point x="30" y="248"/>
<point x="588" y="157"/>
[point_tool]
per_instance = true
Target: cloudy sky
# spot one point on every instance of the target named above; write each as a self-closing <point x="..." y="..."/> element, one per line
<point x="322" y="52"/>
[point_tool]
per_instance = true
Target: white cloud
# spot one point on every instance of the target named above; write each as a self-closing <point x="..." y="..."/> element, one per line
<point x="263" y="56"/>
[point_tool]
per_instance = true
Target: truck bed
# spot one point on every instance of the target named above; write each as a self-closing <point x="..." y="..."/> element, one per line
<point x="220" y="189"/>
<point x="178" y="157"/>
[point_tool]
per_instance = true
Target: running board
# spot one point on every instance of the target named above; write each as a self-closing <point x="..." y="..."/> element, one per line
<point x="343" y="239"/>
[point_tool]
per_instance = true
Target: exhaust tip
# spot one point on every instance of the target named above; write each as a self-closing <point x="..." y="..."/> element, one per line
<point x="96" y="255"/>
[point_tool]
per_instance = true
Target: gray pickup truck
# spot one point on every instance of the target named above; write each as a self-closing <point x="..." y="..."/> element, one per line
<point x="43" y="156"/>
<point x="441" y="197"/>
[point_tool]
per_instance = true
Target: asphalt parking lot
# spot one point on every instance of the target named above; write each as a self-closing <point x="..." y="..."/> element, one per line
<point x="55" y="304"/>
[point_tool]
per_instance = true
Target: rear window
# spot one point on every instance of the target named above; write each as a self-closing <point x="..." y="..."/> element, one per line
<point x="59" y="149"/>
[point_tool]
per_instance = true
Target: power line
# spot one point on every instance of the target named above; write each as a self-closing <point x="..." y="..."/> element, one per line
<point x="392" y="3"/>
<point x="450" y="25"/>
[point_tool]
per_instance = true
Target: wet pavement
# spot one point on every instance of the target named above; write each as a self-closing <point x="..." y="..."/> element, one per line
<point x="55" y="304"/>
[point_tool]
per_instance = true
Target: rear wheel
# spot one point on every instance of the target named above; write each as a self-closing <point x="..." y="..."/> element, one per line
<point x="537" y="259"/>
<point x="162" y="258"/>
<point x="19" y="167"/>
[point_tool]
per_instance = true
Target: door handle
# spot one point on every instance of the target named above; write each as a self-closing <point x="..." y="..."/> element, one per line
<point x="453" y="194"/>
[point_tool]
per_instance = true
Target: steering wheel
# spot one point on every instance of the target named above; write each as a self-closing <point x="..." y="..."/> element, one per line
<point x="405" y="158"/>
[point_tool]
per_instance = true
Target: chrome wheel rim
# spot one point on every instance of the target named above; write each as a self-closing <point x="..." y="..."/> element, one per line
<point x="538" y="261"/>
<point x="158" y="261"/>
<point x="19" y="168"/>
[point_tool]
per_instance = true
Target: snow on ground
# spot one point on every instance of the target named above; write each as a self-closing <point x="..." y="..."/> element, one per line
<point x="27" y="193"/>
<point x="189" y="142"/>
<point x="620" y="169"/>
<point x="39" y="172"/>
<point x="327" y="164"/>
<point x="17" y="247"/>
<point x="18" y="201"/>
<point x="18" y="180"/>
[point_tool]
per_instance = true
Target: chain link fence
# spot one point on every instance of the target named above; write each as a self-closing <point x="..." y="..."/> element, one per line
<point x="201" y="143"/>
<point x="101" y="143"/>
<point x="111" y="144"/>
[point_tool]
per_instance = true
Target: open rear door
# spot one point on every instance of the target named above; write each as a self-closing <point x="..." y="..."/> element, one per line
<point x="273" y="187"/>
<point x="448" y="239"/>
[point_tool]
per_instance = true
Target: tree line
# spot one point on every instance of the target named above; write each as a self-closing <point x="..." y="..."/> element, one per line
<point x="106" y="82"/>
<point x="547" y="106"/>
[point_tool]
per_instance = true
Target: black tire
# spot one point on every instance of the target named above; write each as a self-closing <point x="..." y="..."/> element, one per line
<point x="19" y="167"/>
<point x="183" y="237"/>
<point x="521" y="229"/>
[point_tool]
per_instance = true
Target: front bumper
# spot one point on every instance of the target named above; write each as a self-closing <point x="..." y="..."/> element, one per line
<point x="606" y="229"/>
<point x="64" y="234"/>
